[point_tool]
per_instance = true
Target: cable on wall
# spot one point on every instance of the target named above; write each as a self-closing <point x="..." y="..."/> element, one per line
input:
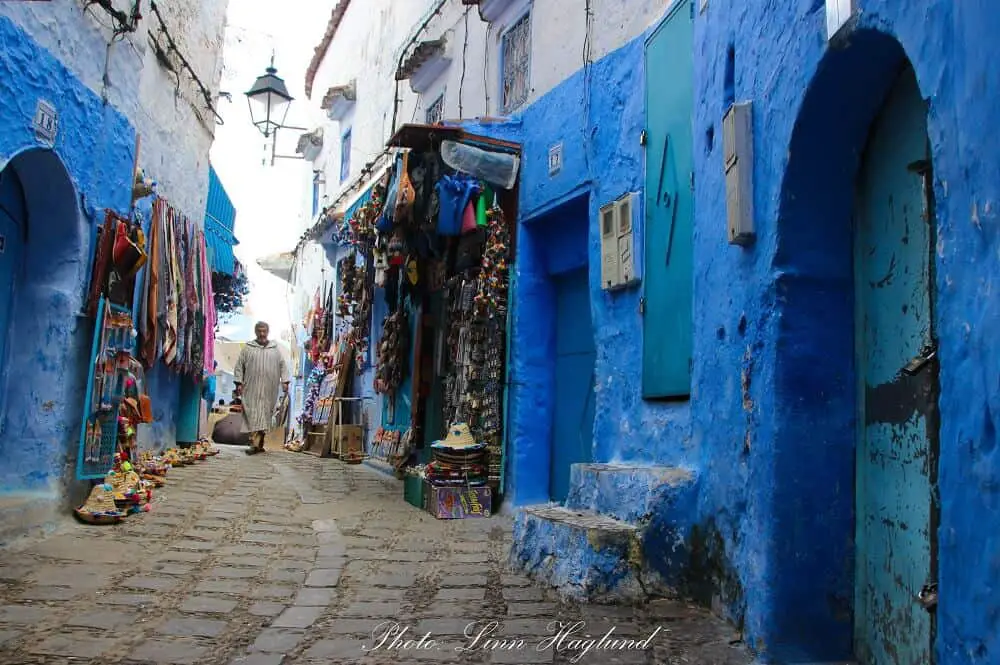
<point x="587" y="61"/>
<point x="402" y="55"/>
<point x="122" y="23"/>
<point x="465" y="50"/>
<point x="486" y="65"/>
<point x="161" y="55"/>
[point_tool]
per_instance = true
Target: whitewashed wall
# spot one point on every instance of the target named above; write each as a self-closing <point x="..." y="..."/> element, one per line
<point x="175" y="125"/>
<point x="373" y="33"/>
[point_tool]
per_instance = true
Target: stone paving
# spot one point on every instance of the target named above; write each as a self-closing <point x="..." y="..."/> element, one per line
<point x="284" y="559"/>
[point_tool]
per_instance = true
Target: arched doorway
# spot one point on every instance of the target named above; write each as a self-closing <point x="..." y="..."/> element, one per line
<point x="856" y="435"/>
<point x="13" y="235"/>
<point x="44" y="365"/>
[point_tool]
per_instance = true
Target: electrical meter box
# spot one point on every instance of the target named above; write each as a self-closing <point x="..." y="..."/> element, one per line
<point x="618" y="264"/>
<point x="737" y="133"/>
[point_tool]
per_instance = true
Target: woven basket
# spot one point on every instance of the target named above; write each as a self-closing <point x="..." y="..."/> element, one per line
<point x="98" y="518"/>
<point x="157" y="481"/>
<point x="99" y="508"/>
<point x="119" y="484"/>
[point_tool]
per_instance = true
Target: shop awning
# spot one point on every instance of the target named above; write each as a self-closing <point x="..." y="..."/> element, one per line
<point x="429" y="137"/>
<point x="279" y="265"/>
<point x="220" y="222"/>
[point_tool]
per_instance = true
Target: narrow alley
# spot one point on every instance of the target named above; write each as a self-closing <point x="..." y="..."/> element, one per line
<point x="284" y="558"/>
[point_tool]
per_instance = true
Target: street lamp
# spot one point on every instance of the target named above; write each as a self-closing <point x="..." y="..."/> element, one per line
<point x="269" y="100"/>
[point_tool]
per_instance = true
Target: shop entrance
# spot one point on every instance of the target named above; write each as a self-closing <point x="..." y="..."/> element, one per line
<point x="573" y="412"/>
<point x="897" y="384"/>
<point x="13" y="221"/>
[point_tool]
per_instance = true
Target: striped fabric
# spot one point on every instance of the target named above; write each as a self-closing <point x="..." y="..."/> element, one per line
<point x="261" y="370"/>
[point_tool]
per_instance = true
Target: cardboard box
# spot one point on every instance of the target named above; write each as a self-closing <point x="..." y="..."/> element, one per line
<point x="347" y="441"/>
<point x="457" y="503"/>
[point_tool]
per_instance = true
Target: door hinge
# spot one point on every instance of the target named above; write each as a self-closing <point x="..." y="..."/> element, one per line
<point x="642" y="305"/>
<point x="643" y="137"/>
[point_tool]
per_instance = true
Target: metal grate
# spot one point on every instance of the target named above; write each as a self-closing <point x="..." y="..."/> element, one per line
<point x="516" y="49"/>
<point x="435" y="112"/>
<point x="345" y="156"/>
<point x="99" y="458"/>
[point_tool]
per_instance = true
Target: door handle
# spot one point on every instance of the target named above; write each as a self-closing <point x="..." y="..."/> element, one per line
<point x="928" y="596"/>
<point x="668" y="199"/>
<point x="920" y="362"/>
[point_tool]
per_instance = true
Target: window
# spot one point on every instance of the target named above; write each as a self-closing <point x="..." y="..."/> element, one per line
<point x="515" y="49"/>
<point x="315" y="206"/>
<point x="345" y="156"/>
<point x="435" y="112"/>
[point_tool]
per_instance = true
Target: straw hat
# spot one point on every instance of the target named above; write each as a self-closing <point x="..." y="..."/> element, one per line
<point x="100" y="508"/>
<point x="459" y="438"/>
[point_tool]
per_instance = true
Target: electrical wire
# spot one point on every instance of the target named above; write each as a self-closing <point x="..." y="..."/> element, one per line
<point x="465" y="50"/>
<point x="587" y="61"/>
<point x="172" y="47"/>
<point x="122" y="23"/>
<point x="486" y="65"/>
<point x="402" y="55"/>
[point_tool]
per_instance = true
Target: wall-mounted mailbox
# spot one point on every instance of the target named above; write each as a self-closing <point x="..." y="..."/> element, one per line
<point x="737" y="133"/>
<point x="618" y="264"/>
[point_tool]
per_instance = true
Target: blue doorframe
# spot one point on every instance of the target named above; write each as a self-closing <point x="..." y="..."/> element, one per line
<point x="898" y="420"/>
<point x="573" y="408"/>
<point x="13" y="224"/>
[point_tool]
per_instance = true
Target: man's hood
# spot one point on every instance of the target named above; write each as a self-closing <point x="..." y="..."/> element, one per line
<point x="270" y="344"/>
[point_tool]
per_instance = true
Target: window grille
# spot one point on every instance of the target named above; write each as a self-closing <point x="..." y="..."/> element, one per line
<point x="345" y="156"/>
<point x="435" y="112"/>
<point x="515" y="49"/>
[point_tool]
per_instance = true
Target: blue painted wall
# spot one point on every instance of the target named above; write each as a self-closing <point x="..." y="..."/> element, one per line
<point x="602" y="160"/>
<point x="770" y="426"/>
<point x="67" y="189"/>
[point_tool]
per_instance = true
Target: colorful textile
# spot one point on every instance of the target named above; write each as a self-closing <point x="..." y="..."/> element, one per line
<point x="454" y="193"/>
<point x="177" y="317"/>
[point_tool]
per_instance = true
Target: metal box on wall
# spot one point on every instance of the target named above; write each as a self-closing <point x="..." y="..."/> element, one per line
<point x="737" y="132"/>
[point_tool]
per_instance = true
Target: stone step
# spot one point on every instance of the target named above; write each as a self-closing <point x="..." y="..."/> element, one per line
<point x="588" y="557"/>
<point x="628" y="493"/>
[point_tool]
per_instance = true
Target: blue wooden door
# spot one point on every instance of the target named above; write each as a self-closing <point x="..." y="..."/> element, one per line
<point x="573" y="413"/>
<point x="13" y="221"/>
<point x="667" y="333"/>
<point x="897" y="450"/>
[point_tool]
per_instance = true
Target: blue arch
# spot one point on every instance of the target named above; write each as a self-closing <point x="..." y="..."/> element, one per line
<point x="41" y="376"/>
<point x="812" y="493"/>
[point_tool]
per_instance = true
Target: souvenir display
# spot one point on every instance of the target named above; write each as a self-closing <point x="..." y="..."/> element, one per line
<point x="393" y="351"/>
<point x="127" y="486"/>
<point x="434" y="239"/>
<point x="459" y="460"/>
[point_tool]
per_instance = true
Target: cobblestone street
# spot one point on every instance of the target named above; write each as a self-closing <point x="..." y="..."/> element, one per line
<point x="284" y="558"/>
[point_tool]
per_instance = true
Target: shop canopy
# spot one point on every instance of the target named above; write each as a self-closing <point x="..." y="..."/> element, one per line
<point x="220" y="222"/>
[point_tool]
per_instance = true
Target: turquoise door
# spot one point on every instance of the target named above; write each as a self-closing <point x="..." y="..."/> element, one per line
<point x="573" y="413"/>
<point x="13" y="220"/>
<point x="897" y="451"/>
<point x="667" y="333"/>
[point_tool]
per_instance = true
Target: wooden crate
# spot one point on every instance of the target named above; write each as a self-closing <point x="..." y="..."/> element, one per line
<point x="347" y="441"/>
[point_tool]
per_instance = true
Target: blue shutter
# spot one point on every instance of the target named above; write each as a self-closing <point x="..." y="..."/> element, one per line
<point x="667" y="324"/>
